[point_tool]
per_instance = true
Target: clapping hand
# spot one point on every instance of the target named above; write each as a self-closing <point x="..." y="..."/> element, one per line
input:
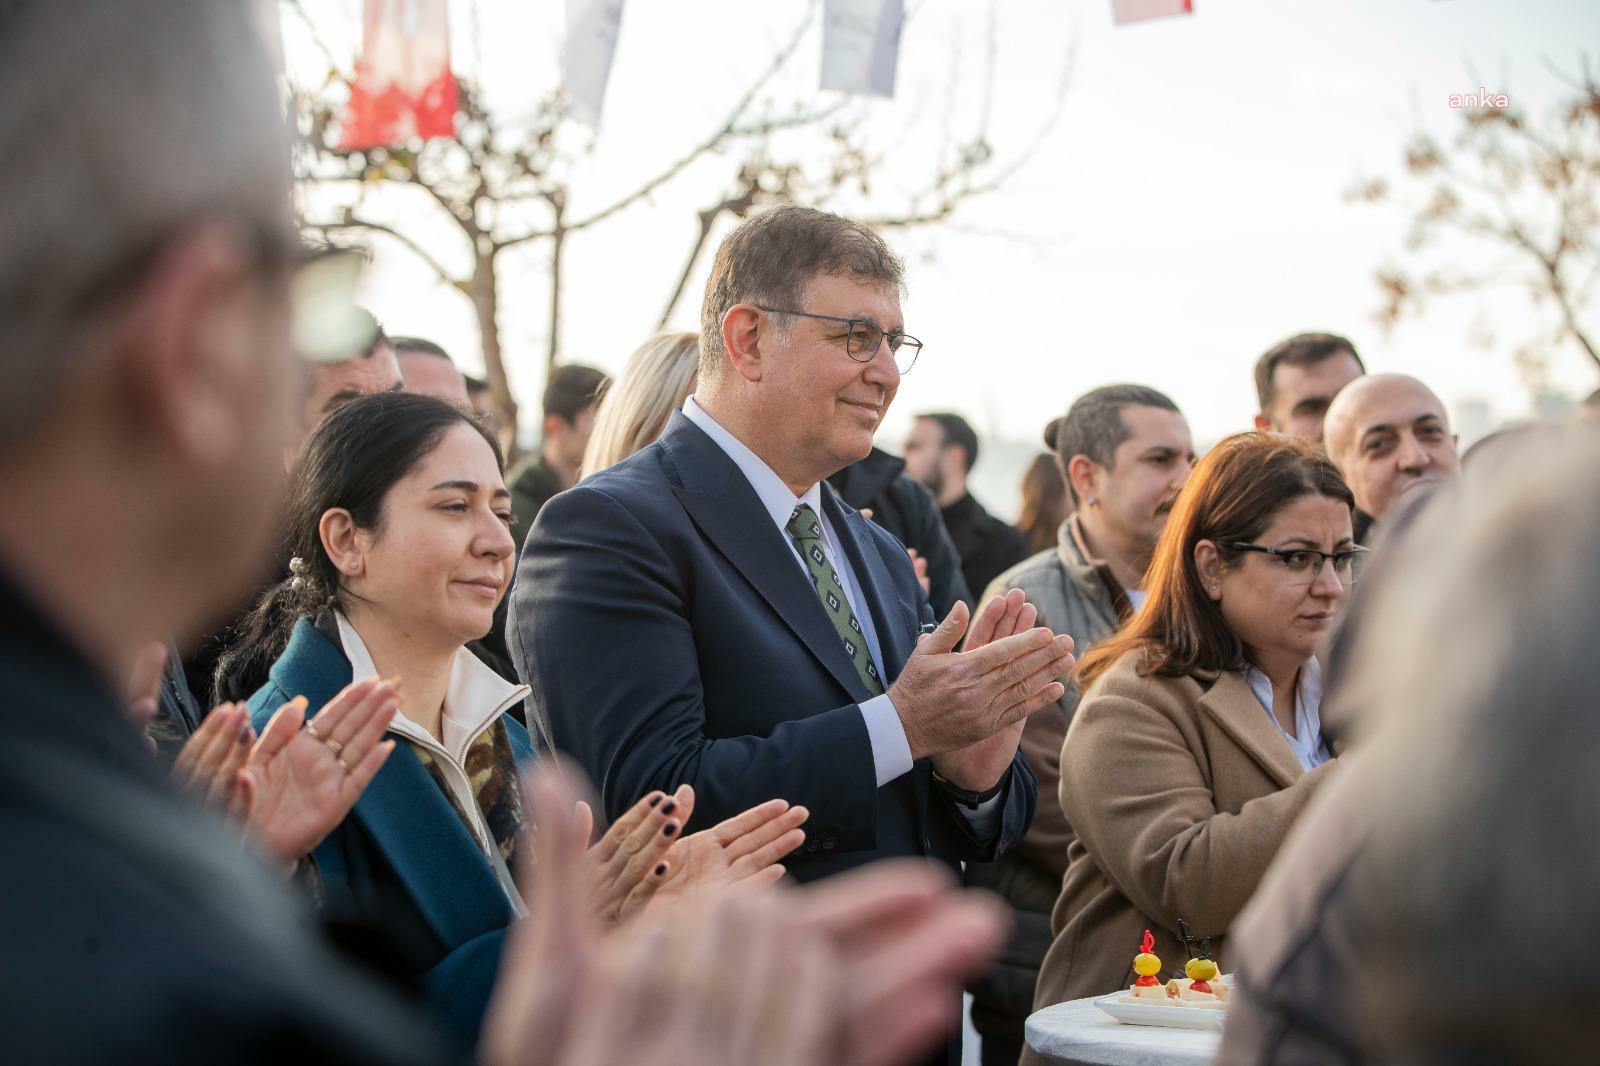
<point x="965" y="709"/>
<point x="299" y="784"/>
<point x="210" y="764"/>
<point x="743" y="851"/>
<point x="642" y="855"/>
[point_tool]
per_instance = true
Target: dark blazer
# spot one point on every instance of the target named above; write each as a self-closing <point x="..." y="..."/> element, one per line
<point x="135" y="928"/>
<point x="402" y="860"/>
<point x="670" y="636"/>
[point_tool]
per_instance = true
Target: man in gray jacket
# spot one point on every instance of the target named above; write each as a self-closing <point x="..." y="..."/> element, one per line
<point x="1125" y="451"/>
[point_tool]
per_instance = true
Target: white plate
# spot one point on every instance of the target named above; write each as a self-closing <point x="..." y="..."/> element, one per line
<point x="1125" y="1009"/>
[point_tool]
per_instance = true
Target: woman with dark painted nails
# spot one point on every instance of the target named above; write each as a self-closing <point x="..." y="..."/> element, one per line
<point x="399" y="525"/>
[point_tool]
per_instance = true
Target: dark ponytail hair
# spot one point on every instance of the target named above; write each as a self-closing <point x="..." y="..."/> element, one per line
<point x="352" y="460"/>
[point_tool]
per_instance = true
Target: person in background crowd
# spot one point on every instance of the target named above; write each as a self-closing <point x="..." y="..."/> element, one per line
<point x="570" y="397"/>
<point x="1298" y="378"/>
<point x="1044" y="500"/>
<point x="940" y="452"/>
<point x="707" y="612"/>
<point x="428" y="370"/>
<point x="400" y="523"/>
<point x="903" y="505"/>
<point x="658" y="377"/>
<point x="481" y="397"/>
<point x="373" y="367"/>
<point x="1126" y="452"/>
<point x="1455" y="815"/>
<point x="1198" y="741"/>
<point x="1389" y="434"/>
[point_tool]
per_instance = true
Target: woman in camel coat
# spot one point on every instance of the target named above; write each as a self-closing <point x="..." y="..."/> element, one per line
<point x="1198" y="739"/>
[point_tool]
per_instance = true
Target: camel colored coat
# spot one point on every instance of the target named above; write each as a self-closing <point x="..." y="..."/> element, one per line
<point x="1179" y="792"/>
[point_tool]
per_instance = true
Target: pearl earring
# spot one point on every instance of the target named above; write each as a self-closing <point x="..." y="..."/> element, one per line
<point x="1094" y="501"/>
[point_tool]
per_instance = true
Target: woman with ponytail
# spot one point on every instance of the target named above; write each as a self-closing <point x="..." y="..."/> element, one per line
<point x="399" y="531"/>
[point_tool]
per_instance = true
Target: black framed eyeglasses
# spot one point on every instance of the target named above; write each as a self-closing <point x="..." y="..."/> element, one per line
<point x="1306" y="563"/>
<point x="862" y="337"/>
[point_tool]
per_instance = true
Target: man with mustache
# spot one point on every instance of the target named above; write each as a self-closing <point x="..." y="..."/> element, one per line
<point x="708" y="612"/>
<point x="1124" y="451"/>
<point x="1388" y="434"/>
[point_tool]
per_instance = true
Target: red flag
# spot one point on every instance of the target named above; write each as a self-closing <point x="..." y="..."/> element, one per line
<point x="1139" y="10"/>
<point x="403" y="88"/>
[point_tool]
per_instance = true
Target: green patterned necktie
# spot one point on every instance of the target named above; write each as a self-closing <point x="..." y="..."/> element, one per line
<point x="806" y="529"/>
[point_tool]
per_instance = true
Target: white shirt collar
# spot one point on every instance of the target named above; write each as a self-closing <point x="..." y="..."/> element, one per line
<point x="1307" y="743"/>
<point x="475" y="694"/>
<point x="776" y="496"/>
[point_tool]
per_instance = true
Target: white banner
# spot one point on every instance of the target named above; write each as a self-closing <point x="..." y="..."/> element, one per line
<point x="592" y="27"/>
<point x="1139" y="10"/>
<point x="861" y="45"/>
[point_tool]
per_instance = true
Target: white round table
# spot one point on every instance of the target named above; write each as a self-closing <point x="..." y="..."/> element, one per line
<point x="1080" y="1034"/>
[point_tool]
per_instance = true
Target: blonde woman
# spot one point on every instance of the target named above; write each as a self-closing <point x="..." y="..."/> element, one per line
<point x="635" y="409"/>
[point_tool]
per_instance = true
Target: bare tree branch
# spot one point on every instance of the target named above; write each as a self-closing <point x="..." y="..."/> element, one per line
<point x="327" y="229"/>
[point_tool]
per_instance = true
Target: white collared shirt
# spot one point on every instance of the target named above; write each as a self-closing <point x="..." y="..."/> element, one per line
<point x="474" y="699"/>
<point x="1307" y="744"/>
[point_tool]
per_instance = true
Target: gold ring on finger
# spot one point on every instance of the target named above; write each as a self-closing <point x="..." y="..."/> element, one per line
<point x="311" y="727"/>
<point x="346" y="767"/>
<point x="333" y="745"/>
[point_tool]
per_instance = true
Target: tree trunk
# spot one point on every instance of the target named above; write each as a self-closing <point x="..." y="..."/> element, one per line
<point x="558" y="241"/>
<point x="486" y="302"/>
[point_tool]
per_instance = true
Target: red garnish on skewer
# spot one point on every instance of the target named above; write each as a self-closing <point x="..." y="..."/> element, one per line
<point x="1200" y="986"/>
<point x="1148" y="944"/>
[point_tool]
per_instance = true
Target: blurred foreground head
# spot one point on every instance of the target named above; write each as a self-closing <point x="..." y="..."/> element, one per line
<point x="1475" y="895"/>
<point x="147" y="388"/>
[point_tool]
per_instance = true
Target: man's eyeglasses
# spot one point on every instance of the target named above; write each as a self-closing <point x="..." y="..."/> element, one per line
<point x="862" y="337"/>
<point x="1304" y="564"/>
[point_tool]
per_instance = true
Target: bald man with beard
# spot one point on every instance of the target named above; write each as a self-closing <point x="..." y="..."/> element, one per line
<point x="1388" y="434"/>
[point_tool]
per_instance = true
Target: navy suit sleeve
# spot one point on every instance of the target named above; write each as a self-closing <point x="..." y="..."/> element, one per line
<point x="601" y="631"/>
<point x="1021" y="797"/>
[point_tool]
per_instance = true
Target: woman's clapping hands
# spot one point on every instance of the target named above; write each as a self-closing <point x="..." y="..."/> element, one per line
<point x="295" y="784"/>
<point x="642" y="856"/>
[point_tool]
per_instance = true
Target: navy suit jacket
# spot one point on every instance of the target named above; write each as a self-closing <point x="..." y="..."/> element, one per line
<point x="670" y="635"/>
<point x="401" y="861"/>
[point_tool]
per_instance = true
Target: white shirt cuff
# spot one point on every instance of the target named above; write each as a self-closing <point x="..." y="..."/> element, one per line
<point x="891" y="752"/>
<point x="986" y="819"/>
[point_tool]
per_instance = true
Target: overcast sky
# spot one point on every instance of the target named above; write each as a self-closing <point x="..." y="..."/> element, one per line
<point x="1186" y="212"/>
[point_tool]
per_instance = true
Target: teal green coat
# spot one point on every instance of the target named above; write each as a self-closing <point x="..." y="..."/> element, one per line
<point x="401" y="862"/>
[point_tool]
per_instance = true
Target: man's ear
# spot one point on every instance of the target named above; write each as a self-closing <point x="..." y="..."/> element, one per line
<point x="179" y="349"/>
<point x="1263" y="422"/>
<point x="343" y="540"/>
<point x="1081" y="475"/>
<point x="552" y="427"/>
<point x="742" y="333"/>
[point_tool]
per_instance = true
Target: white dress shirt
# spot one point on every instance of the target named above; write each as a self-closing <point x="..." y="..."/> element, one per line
<point x="1307" y="743"/>
<point x="891" y="752"/>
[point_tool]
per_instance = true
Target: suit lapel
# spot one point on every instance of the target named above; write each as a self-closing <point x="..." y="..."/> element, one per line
<point x="725" y="508"/>
<point x="1235" y="708"/>
<point x="891" y="618"/>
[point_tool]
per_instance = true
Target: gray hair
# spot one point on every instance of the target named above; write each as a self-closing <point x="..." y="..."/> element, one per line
<point x="772" y="258"/>
<point x="1093" y="425"/>
<point x="1476" y="891"/>
<point x="636" y="406"/>
<point x="123" y="121"/>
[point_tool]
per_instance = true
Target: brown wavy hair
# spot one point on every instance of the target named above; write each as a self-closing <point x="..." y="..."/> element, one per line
<point x="1233" y="495"/>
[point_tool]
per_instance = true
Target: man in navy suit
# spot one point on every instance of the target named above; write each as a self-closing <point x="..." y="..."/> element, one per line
<point x="709" y="612"/>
